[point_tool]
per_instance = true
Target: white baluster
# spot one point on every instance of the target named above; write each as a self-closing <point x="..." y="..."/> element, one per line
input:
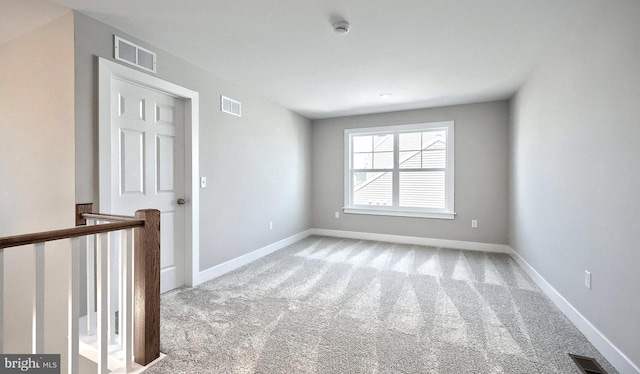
<point x="122" y="247"/>
<point x="126" y="310"/>
<point x="1" y="299"/>
<point x="74" y="307"/>
<point x="37" y="338"/>
<point x="112" y="281"/>
<point x="101" y="269"/>
<point x="91" y="296"/>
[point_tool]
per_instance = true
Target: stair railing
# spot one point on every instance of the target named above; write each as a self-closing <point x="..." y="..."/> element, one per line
<point x="138" y="290"/>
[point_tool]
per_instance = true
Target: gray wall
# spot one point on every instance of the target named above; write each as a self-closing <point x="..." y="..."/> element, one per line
<point x="37" y="175"/>
<point x="574" y="172"/>
<point x="257" y="166"/>
<point x="481" y="174"/>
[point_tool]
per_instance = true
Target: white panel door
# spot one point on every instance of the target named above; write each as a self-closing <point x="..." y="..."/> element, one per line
<point x="148" y="167"/>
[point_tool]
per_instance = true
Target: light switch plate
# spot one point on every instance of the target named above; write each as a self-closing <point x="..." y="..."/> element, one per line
<point x="587" y="279"/>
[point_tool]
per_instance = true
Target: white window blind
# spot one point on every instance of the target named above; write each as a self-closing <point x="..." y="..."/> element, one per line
<point x="404" y="170"/>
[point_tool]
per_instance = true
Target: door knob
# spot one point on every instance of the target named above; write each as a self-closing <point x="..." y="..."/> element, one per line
<point x="181" y="202"/>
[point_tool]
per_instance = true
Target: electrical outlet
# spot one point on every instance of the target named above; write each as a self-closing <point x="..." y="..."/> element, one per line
<point x="474" y="223"/>
<point x="203" y="182"/>
<point x="270" y="225"/>
<point x="337" y="215"/>
<point x="587" y="279"/>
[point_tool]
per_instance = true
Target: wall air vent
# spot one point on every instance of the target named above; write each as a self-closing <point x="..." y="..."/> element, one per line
<point x="230" y="106"/>
<point x="133" y="54"/>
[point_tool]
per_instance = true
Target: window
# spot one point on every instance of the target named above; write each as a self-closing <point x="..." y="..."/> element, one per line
<point x="404" y="170"/>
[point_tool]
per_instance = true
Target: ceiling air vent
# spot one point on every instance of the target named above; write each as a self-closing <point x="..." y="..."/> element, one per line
<point x="230" y="106"/>
<point x="133" y="54"/>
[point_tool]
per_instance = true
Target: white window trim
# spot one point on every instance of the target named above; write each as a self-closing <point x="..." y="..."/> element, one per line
<point x="447" y="213"/>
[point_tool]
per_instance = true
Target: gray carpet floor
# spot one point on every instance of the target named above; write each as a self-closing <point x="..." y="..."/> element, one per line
<point x="328" y="305"/>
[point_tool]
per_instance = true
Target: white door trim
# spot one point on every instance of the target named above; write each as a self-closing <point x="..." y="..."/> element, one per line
<point x="107" y="70"/>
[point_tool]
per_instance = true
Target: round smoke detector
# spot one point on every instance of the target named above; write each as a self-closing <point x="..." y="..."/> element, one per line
<point x="341" y="27"/>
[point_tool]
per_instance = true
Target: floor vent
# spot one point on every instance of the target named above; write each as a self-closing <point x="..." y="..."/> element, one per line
<point x="587" y="364"/>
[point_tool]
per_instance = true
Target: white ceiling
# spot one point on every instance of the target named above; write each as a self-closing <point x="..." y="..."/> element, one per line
<point x="425" y="52"/>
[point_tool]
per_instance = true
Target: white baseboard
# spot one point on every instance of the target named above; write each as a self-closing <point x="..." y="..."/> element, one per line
<point x="617" y="358"/>
<point x="414" y="240"/>
<point x="218" y="270"/>
<point x="225" y="267"/>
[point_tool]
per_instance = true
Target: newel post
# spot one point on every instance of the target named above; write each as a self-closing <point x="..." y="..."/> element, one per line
<point x="147" y="287"/>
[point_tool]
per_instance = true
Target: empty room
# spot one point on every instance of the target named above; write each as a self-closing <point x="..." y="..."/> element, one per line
<point x="320" y="186"/>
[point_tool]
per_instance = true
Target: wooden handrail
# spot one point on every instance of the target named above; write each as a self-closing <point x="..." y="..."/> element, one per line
<point x="107" y="217"/>
<point x="46" y="236"/>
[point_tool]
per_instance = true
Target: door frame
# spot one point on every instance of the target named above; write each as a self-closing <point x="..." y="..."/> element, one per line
<point x="109" y="70"/>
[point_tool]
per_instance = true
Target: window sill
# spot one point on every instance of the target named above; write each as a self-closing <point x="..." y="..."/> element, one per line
<point x="399" y="213"/>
